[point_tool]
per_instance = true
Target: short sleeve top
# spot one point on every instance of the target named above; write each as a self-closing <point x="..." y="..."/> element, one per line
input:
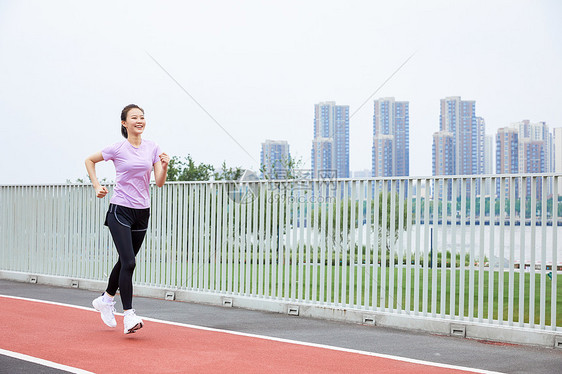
<point x="133" y="167"/>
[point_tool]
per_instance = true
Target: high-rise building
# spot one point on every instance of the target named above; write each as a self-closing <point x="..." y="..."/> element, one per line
<point x="330" y="146"/>
<point x="526" y="148"/>
<point x="532" y="155"/>
<point x="558" y="155"/>
<point x="391" y="138"/>
<point x="489" y="155"/>
<point x="532" y="132"/>
<point x="479" y="162"/>
<point x="507" y="154"/>
<point x="443" y="153"/>
<point x="458" y="122"/>
<point x="507" y="151"/>
<point x="274" y="159"/>
<point x="383" y="146"/>
<point x="536" y="152"/>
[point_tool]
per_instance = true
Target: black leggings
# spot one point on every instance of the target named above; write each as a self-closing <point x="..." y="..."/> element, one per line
<point x="128" y="229"/>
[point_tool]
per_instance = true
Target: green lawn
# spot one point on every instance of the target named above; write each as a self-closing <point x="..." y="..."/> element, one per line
<point x="282" y="285"/>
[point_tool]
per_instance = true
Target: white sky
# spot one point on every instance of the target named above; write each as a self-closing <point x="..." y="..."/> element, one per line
<point x="68" y="67"/>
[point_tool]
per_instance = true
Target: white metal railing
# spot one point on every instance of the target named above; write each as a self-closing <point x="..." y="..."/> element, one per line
<point x="477" y="248"/>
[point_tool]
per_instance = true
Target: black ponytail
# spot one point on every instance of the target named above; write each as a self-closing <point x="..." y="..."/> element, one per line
<point x="124" y="132"/>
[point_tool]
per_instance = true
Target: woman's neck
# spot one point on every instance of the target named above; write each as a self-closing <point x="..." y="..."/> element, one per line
<point x="135" y="141"/>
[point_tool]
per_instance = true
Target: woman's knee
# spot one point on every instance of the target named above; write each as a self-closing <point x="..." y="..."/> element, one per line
<point x="128" y="265"/>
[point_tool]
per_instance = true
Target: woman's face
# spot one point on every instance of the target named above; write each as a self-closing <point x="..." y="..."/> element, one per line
<point x="135" y="122"/>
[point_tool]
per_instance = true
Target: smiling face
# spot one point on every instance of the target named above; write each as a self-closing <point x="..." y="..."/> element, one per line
<point x="135" y="122"/>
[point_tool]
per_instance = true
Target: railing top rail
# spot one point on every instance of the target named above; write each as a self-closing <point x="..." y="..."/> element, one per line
<point x="265" y="181"/>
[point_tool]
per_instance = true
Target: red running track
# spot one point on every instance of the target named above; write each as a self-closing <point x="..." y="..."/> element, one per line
<point x="78" y="338"/>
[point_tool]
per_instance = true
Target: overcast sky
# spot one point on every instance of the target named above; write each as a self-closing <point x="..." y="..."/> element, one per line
<point x="258" y="67"/>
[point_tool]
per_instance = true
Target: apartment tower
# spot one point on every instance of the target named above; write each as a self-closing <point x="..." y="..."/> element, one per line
<point x="458" y="123"/>
<point x="330" y="146"/>
<point x="391" y="138"/>
<point x="274" y="159"/>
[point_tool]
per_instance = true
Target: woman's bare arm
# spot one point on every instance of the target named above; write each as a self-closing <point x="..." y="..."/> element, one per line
<point x="91" y="162"/>
<point x="161" y="169"/>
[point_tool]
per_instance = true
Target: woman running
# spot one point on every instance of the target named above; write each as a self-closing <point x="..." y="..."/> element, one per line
<point x="129" y="208"/>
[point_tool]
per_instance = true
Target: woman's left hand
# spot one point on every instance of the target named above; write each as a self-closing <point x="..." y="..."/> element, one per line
<point x="164" y="159"/>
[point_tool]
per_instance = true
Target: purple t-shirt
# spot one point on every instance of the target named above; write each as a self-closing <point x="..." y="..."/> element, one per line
<point x="133" y="167"/>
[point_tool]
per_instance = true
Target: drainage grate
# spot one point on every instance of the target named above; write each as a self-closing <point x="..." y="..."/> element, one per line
<point x="458" y="330"/>
<point x="558" y="341"/>
<point x="368" y="320"/>
<point x="293" y="310"/>
<point x="170" y="295"/>
<point x="74" y="284"/>
<point x="32" y="279"/>
<point x="227" y="302"/>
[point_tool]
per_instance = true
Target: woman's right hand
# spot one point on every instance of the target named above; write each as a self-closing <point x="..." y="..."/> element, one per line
<point x="101" y="192"/>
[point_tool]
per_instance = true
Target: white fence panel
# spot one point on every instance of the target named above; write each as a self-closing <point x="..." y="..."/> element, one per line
<point x="470" y="249"/>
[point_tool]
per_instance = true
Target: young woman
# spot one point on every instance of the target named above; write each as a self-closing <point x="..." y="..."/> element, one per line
<point x="129" y="208"/>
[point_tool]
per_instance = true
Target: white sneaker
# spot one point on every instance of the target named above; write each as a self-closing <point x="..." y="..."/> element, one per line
<point x="132" y="322"/>
<point x="106" y="310"/>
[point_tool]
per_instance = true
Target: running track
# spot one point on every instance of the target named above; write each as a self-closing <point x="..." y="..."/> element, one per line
<point x="53" y="333"/>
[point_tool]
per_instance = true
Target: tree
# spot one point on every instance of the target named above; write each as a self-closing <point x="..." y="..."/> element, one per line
<point x="185" y="169"/>
<point x="228" y="173"/>
<point x="289" y="168"/>
<point x="385" y="228"/>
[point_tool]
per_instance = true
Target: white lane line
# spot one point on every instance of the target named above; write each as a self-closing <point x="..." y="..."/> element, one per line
<point x="42" y="362"/>
<point x="281" y="340"/>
